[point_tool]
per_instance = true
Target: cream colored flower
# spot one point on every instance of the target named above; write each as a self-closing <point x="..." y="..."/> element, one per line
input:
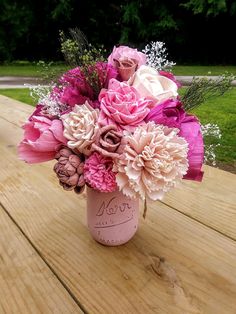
<point x="80" y="127"/>
<point x="154" y="160"/>
<point x="150" y="84"/>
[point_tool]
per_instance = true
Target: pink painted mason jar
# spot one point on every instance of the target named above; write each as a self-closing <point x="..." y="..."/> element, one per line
<point x="112" y="217"/>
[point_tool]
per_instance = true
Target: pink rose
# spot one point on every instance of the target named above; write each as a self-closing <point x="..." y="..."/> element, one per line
<point x="122" y="106"/>
<point x="126" y="68"/>
<point x="109" y="142"/>
<point x="42" y="138"/>
<point x="124" y="52"/>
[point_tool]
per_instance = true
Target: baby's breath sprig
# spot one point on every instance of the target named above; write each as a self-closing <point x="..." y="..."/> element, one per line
<point x="156" y="54"/>
<point x="211" y="134"/>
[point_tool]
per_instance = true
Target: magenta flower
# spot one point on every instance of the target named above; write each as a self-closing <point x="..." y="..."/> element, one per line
<point x="169" y="113"/>
<point x="122" y="106"/>
<point x="37" y="111"/>
<point x="42" y="138"/>
<point x="172" y="114"/>
<point x="171" y="77"/>
<point x="105" y="73"/>
<point x="98" y="173"/>
<point x="191" y="131"/>
<point x="76" y="90"/>
<point x="79" y="87"/>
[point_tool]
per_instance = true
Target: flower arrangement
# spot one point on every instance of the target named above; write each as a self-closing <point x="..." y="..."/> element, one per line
<point x="114" y="124"/>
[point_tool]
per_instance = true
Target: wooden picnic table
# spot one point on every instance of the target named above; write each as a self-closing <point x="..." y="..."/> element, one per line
<point x="181" y="260"/>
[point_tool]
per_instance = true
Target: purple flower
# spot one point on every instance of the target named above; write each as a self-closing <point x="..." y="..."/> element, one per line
<point x="172" y="114"/>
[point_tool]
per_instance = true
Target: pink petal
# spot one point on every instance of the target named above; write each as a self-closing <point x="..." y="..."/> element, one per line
<point x="45" y="143"/>
<point x="190" y="130"/>
<point x="31" y="133"/>
<point x="26" y="153"/>
<point x="57" y="130"/>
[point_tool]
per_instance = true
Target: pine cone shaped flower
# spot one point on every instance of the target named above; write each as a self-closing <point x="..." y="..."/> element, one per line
<point x="69" y="170"/>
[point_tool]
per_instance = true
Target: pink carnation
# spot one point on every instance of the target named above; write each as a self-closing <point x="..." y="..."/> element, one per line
<point x="98" y="173"/>
<point x="122" y="106"/>
<point x="171" y="113"/>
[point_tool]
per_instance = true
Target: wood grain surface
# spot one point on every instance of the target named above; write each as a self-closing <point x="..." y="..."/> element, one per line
<point x="182" y="259"/>
<point x="27" y="284"/>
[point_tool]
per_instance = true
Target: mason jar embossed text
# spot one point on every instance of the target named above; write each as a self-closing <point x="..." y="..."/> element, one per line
<point x="112" y="217"/>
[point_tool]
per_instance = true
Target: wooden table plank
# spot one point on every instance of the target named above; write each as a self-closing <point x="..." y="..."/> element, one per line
<point x="173" y="265"/>
<point x="212" y="202"/>
<point x="203" y="201"/>
<point x="27" y="285"/>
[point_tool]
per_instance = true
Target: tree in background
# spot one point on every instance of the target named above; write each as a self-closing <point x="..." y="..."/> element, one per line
<point x="195" y="31"/>
<point x="29" y="29"/>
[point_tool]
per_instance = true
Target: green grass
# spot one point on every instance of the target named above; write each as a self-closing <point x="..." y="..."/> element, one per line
<point x="21" y="94"/>
<point x="202" y="70"/>
<point x="34" y="70"/>
<point x="220" y="111"/>
<point x="30" y="70"/>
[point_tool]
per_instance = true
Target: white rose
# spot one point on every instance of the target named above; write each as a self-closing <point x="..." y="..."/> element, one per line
<point x="80" y="128"/>
<point x="150" y="84"/>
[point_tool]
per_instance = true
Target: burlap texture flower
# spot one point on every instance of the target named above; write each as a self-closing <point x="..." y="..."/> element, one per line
<point x="69" y="170"/>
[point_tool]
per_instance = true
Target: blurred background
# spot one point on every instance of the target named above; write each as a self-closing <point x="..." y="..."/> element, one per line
<point x="195" y="31"/>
